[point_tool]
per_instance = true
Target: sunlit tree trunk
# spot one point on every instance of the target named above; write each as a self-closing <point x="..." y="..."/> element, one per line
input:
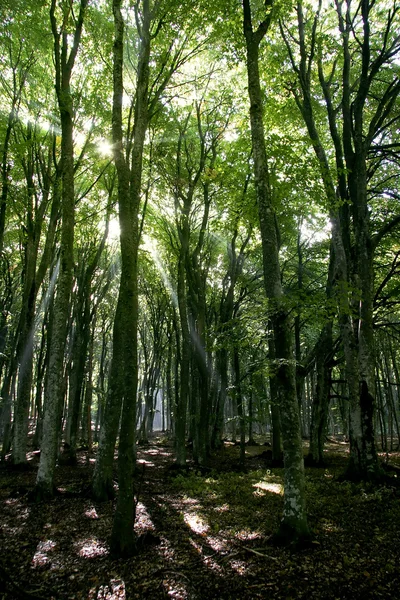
<point x="25" y="354"/>
<point x="222" y="370"/>
<point x="274" y="404"/>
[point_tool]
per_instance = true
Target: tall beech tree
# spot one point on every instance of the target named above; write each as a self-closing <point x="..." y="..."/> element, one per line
<point x="294" y="522"/>
<point x="129" y="164"/>
<point x="359" y="126"/>
<point x="64" y="60"/>
<point x="151" y="81"/>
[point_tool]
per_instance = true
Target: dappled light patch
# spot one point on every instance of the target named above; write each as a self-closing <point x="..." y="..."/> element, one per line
<point x="156" y="452"/>
<point x="91" y="513"/>
<point x="239" y="566"/>
<point x="166" y="550"/>
<point x="217" y="543"/>
<point x="210" y="537"/>
<point x="187" y="501"/>
<point x="196" y="523"/>
<point x="174" y="588"/>
<point x="41" y="556"/>
<point x="262" y="487"/>
<point x="221" y="508"/>
<point x="32" y="456"/>
<point x="82" y="459"/>
<point x="24" y="513"/>
<point x="91" y="548"/>
<point x="143" y="519"/>
<point x="146" y="463"/>
<point x="12" y="501"/>
<point x="246" y="535"/>
<point x="206" y="558"/>
<point x="114" y="590"/>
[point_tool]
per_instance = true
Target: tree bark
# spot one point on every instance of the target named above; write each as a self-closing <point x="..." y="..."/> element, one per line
<point x="54" y="393"/>
<point x="129" y="189"/>
<point x="294" y="525"/>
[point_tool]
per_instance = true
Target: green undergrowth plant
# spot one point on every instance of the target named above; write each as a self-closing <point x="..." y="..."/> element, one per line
<point x="244" y="491"/>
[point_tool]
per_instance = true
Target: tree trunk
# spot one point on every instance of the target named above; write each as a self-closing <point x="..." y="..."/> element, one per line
<point x="320" y="404"/>
<point x="239" y="404"/>
<point x="54" y="392"/>
<point x="129" y="190"/>
<point x="183" y="397"/>
<point x="274" y="403"/>
<point x="294" y="522"/>
<point x="222" y="370"/>
<point x="102" y="485"/>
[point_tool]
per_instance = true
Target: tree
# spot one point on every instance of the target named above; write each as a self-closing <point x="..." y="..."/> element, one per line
<point x="294" y="522"/>
<point x="64" y="58"/>
<point x="356" y="125"/>
<point x="37" y="166"/>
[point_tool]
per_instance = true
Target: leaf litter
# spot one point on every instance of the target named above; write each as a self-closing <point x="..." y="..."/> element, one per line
<point x="202" y="533"/>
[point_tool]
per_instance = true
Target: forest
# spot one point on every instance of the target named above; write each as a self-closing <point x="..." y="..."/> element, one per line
<point x="199" y="299"/>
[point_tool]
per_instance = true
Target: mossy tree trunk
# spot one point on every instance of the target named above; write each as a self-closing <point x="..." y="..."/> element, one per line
<point x="294" y="525"/>
<point x="55" y="388"/>
<point x="129" y="190"/>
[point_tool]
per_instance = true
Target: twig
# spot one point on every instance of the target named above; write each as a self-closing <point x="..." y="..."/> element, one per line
<point x="177" y="573"/>
<point x="260" y="553"/>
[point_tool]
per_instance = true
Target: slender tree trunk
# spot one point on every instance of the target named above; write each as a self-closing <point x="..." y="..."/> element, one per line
<point x="183" y="397"/>
<point x="320" y="404"/>
<point x="7" y="392"/>
<point x="25" y="354"/>
<point x="54" y="392"/>
<point x="5" y="171"/>
<point x="251" y="413"/>
<point x="129" y="190"/>
<point x="240" y="405"/>
<point x="87" y="406"/>
<point x="294" y="522"/>
<point x="274" y="403"/>
<point x="222" y="370"/>
<point x="168" y="379"/>
<point x="102" y="485"/>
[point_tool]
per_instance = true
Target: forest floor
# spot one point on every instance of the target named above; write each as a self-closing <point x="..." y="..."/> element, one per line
<point x="208" y="534"/>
